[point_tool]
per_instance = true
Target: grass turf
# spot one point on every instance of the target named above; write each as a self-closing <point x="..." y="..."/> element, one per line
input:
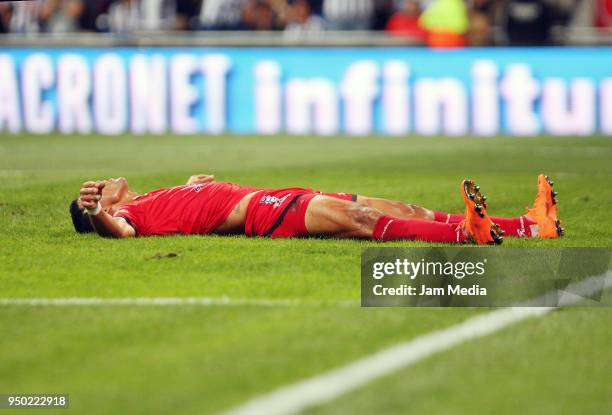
<point x="192" y="359"/>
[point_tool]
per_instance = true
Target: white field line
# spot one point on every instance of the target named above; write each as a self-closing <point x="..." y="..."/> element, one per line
<point x="169" y="301"/>
<point x="325" y="387"/>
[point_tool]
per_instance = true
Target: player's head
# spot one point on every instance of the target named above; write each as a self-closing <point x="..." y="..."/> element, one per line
<point x="80" y="220"/>
<point x="114" y="195"/>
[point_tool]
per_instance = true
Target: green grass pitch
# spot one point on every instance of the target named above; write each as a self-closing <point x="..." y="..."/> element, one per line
<point x="204" y="359"/>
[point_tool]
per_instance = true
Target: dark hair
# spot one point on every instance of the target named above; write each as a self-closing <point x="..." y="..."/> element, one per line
<point x="80" y="220"/>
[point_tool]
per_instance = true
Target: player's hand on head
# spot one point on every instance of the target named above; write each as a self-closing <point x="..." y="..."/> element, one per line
<point x="90" y="194"/>
<point x="201" y="179"/>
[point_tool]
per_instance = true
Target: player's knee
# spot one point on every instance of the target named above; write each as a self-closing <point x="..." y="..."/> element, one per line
<point x="420" y="212"/>
<point x="405" y="208"/>
<point x="363" y="216"/>
<point x="412" y="209"/>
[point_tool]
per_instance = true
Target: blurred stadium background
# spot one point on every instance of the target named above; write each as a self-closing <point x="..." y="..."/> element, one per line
<point x="478" y="22"/>
<point x="399" y="99"/>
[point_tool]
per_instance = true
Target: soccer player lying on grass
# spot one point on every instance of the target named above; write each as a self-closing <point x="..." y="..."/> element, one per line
<point x="203" y="206"/>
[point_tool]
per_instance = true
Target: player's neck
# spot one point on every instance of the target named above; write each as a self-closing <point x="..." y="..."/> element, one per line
<point x="129" y="197"/>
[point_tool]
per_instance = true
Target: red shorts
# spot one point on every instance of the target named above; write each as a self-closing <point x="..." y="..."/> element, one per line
<point x="281" y="213"/>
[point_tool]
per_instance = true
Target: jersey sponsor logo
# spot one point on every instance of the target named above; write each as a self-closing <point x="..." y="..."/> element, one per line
<point x="273" y="200"/>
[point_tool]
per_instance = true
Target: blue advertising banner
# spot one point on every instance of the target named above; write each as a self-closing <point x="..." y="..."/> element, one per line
<point x="326" y="91"/>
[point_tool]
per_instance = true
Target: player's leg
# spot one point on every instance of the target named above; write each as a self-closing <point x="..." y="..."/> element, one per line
<point x="330" y="216"/>
<point x="344" y="219"/>
<point x="396" y="208"/>
<point x="386" y="206"/>
<point x="521" y="226"/>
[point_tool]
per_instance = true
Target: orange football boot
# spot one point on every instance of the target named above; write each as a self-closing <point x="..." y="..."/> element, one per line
<point x="544" y="210"/>
<point x="477" y="224"/>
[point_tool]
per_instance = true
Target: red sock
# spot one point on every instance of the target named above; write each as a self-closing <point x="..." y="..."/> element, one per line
<point x="447" y="217"/>
<point x="519" y="227"/>
<point x="389" y="228"/>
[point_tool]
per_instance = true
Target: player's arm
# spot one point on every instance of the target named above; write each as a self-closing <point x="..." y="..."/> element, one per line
<point x="107" y="225"/>
<point x="201" y="179"/>
<point x="103" y="223"/>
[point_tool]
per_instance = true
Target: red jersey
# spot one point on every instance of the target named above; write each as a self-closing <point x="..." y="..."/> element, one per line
<point x="189" y="209"/>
